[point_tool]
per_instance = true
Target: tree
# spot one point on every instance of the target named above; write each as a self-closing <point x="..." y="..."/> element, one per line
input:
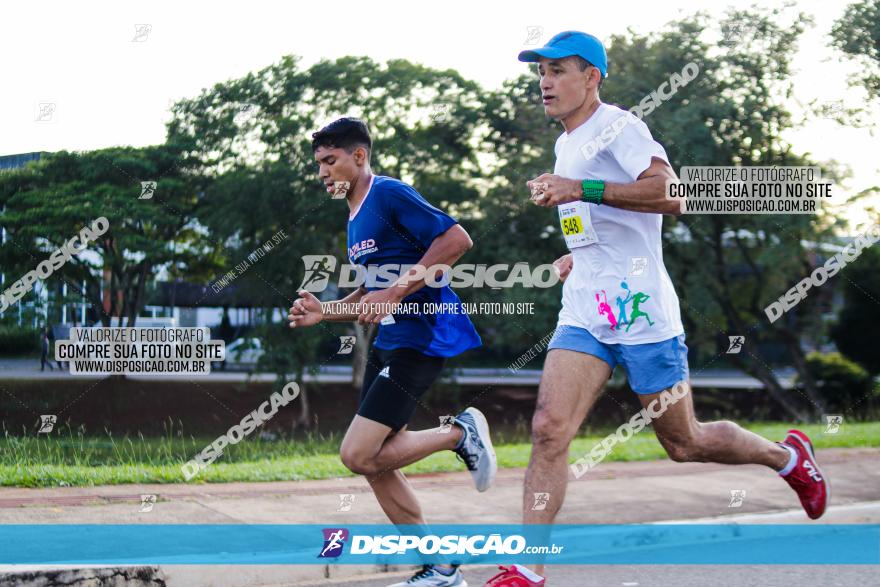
<point x="857" y="34"/>
<point x="48" y="202"/>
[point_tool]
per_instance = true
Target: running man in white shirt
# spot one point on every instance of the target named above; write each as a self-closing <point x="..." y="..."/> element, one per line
<point x="611" y="195"/>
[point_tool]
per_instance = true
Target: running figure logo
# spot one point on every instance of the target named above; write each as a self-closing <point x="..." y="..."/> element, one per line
<point x="636" y="299"/>
<point x="346" y="345"/>
<point x="541" y="501"/>
<point x="833" y="422"/>
<point x="319" y="268"/>
<point x="737" y="497"/>
<point x="47" y="423"/>
<point x="147" y="503"/>
<point x="334" y="540"/>
<point x="346" y="501"/>
<point x="736" y="344"/>
<point x="148" y="188"/>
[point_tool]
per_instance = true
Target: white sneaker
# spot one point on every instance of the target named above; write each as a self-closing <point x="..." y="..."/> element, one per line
<point x="431" y="577"/>
<point x="476" y="448"/>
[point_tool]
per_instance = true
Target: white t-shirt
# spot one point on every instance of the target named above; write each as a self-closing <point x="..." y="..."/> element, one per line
<point x="618" y="289"/>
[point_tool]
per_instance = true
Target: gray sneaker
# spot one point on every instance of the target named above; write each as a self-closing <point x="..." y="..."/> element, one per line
<point x="431" y="577"/>
<point x="475" y="449"/>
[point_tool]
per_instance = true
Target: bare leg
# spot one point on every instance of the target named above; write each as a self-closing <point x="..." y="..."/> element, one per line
<point x="375" y="451"/>
<point x="398" y="500"/>
<point x="370" y="447"/>
<point x="686" y="439"/>
<point x="570" y="384"/>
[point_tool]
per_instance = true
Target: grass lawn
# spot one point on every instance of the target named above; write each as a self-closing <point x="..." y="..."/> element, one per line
<point x="71" y="460"/>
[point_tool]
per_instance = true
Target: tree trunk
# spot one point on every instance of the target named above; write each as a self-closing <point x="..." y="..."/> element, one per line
<point x="805" y="377"/>
<point x="134" y="308"/>
<point x="304" y="420"/>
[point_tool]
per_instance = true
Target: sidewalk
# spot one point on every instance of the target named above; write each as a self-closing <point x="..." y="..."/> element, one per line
<point x="614" y="493"/>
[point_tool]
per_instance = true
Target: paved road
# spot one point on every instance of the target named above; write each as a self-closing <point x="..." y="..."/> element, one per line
<point x="642" y="492"/>
<point x="668" y="576"/>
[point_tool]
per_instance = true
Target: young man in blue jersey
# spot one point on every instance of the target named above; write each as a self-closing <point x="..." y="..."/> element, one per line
<point x="391" y="225"/>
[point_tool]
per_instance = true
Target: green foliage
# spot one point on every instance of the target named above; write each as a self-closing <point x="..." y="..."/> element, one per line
<point x="76" y="460"/>
<point x="844" y="384"/>
<point x="16" y="340"/>
<point x="49" y="202"/>
<point x="861" y="292"/>
<point x="857" y="34"/>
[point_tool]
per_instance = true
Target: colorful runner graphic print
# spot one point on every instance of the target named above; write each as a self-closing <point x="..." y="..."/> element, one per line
<point x="620" y="319"/>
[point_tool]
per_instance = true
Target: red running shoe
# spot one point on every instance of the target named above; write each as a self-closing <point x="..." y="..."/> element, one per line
<point x="806" y="478"/>
<point x="512" y="576"/>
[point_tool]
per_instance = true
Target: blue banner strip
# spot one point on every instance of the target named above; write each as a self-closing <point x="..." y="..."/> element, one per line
<point x="263" y="544"/>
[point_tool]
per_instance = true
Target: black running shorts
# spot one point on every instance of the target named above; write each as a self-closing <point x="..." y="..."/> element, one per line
<point x="394" y="382"/>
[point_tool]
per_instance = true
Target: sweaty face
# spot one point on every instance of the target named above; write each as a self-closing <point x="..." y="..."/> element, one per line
<point x="563" y="86"/>
<point x="336" y="165"/>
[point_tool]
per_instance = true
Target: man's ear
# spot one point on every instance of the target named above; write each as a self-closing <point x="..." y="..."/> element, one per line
<point x="360" y="156"/>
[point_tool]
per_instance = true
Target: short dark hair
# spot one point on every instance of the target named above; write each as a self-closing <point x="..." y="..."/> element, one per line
<point x="345" y="133"/>
<point x="583" y="64"/>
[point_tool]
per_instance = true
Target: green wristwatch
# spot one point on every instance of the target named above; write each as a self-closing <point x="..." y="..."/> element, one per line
<point x="593" y="190"/>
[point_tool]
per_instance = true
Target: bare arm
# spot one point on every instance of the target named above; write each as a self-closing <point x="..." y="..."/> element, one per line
<point x="346" y="309"/>
<point x="308" y="310"/>
<point x="646" y="194"/>
<point x="446" y="249"/>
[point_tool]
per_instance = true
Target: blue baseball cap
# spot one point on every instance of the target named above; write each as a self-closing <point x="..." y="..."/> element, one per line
<point x="570" y="43"/>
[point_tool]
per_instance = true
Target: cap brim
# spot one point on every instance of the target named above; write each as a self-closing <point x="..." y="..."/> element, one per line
<point x="531" y="56"/>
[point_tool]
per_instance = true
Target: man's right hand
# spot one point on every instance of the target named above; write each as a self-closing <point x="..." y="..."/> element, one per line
<point x="563" y="266"/>
<point x="306" y="311"/>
